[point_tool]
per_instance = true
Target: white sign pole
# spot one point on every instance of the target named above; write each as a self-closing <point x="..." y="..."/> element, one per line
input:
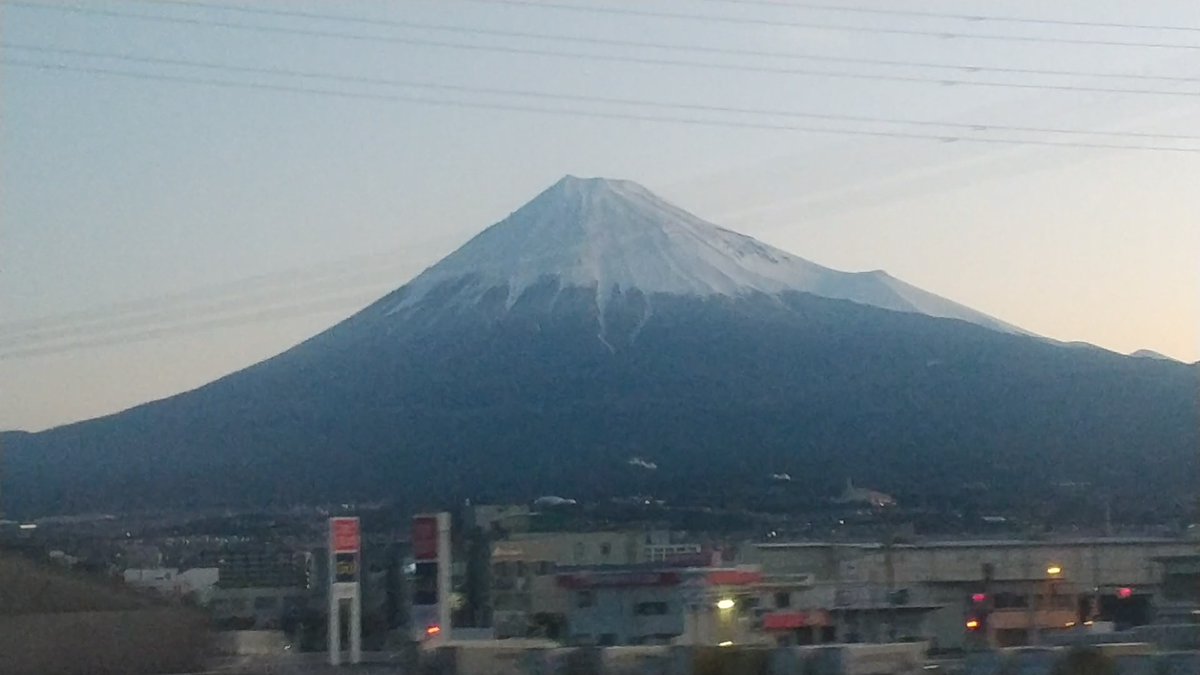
<point x="335" y="624"/>
<point x="444" y="575"/>
<point x="356" y="626"/>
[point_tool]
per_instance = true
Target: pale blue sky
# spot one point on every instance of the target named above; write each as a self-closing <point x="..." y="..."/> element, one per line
<point x="118" y="190"/>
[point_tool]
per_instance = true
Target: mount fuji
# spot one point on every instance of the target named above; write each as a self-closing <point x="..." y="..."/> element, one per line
<point x="599" y="323"/>
<point x="614" y="237"/>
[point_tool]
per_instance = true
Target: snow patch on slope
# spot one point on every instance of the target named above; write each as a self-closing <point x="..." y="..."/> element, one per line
<point x="614" y="236"/>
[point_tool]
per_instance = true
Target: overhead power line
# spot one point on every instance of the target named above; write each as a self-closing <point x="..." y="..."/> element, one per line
<point x="253" y="285"/>
<point x="975" y="18"/>
<point x="295" y="310"/>
<point x="592" y="114"/>
<point x="167" y="313"/>
<point x="540" y="94"/>
<point x="756" y="21"/>
<point x="639" y="44"/>
<point x="777" y="70"/>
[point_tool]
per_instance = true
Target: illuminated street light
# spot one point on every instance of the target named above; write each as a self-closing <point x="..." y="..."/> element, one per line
<point x="1054" y="570"/>
<point x="726" y="643"/>
<point x="725" y="603"/>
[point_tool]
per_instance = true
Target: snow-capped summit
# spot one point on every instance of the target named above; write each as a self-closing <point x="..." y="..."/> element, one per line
<point x="614" y="236"/>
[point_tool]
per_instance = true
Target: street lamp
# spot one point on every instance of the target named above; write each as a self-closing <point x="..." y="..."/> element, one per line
<point x="725" y="603"/>
<point x="1054" y="570"/>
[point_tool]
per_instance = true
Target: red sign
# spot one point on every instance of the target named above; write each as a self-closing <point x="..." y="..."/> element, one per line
<point x="794" y="620"/>
<point x="734" y="577"/>
<point x="425" y="538"/>
<point x="345" y="535"/>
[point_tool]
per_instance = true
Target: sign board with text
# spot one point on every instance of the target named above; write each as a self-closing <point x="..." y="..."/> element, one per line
<point x="431" y="577"/>
<point x="425" y="538"/>
<point x="344" y="534"/>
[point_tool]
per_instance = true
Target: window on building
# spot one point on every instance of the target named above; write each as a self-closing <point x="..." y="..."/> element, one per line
<point x="1009" y="601"/>
<point x="521" y="568"/>
<point x="650" y="608"/>
<point x="605" y="549"/>
<point x="545" y="567"/>
<point x="500" y="569"/>
<point x="1180" y="587"/>
<point x="783" y="599"/>
<point x="585" y="599"/>
<point x="607" y="639"/>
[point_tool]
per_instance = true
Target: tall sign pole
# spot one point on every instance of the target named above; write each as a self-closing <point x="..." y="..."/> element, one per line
<point x="345" y="548"/>
<point x="431" y="591"/>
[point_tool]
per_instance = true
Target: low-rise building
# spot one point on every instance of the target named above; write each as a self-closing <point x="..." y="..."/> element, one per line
<point x="654" y="604"/>
<point x="197" y="582"/>
<point x="526" y="600"/>
<point x="1177" y="598"/>
<point x="959" y="593"/>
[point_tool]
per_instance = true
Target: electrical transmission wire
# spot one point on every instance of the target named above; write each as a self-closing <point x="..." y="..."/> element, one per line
<point x="752" y="21"/>
<point x="974" y="18"/>
<point x="342" y="77"/>
<point x="295" y="310"/>
<point x="337" y="272"/>
<point x="58" y="329"/>
<point x="610" y="58"/>
<point x="707" y="49"/>
<point x="593" y="114"/>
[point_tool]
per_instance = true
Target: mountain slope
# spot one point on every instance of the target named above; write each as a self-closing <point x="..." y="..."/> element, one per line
<point x="613" y="236"/>
<point x="544" y="375"/>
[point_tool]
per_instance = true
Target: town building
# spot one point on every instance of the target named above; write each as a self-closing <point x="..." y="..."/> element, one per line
<point x="1177" y="598"/>
<point x="526" y="599"/>
<point x="963" y="593"/>
<point x="196" y="583"/>
<point x="648" y="604"/>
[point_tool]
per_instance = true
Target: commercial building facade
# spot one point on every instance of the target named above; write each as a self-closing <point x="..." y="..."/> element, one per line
<point x="959" y="593"/>
<point x="526" y="598"/>
<point x="651" y="604"/>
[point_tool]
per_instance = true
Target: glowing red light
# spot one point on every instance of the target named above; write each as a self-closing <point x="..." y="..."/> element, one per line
<point x="979" y="598"/>
<point x="1124" y="593"/>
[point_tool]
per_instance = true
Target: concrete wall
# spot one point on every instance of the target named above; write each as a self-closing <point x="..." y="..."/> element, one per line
<point x="160" y="640"/>
<point x="250" y="642"/>
<point x="500" y="659"/>
<point x="881" y="659"/>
